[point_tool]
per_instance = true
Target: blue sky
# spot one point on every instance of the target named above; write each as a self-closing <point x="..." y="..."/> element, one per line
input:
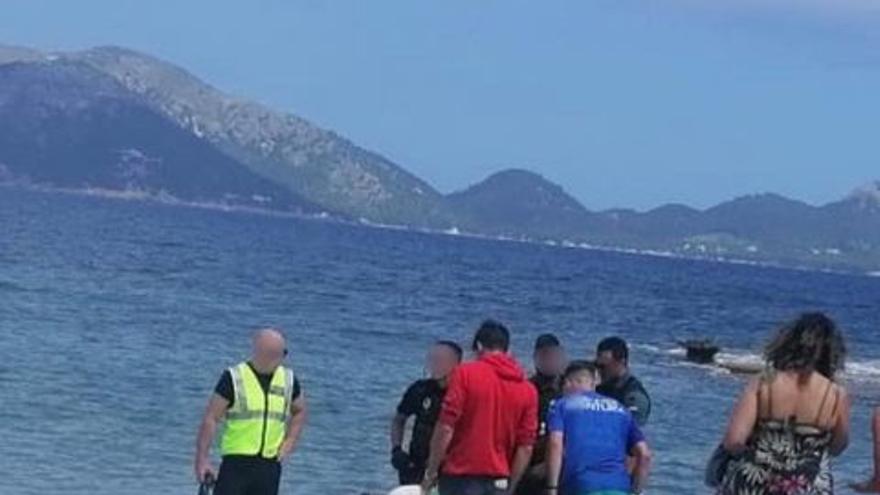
<point x="625" y="103"/>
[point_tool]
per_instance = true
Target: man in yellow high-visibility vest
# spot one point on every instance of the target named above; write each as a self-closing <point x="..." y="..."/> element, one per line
<point x="264" y="410"/>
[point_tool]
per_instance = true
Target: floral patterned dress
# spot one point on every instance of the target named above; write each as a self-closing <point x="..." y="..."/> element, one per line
<point x="782" y="458"/>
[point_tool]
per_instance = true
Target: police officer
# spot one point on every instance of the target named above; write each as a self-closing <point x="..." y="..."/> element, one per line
<point x="422" y="401"/>
<point x="612" y="359"/>
<point x="264" y="411"/>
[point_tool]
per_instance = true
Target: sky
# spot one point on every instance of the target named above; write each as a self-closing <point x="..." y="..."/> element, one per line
<point x="626" y="103"/>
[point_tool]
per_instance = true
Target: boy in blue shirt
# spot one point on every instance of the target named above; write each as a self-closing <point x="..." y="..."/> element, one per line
<point x="591" y="437"/>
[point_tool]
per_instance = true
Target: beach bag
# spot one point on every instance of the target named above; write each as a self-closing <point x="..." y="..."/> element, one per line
<point x="717" y="467"/>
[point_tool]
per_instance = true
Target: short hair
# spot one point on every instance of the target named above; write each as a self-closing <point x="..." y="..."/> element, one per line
<point x="456" y="349"/>
<point x="616" y="346"/>
<point x="580" y="366"/>
<point x="492" y="336"/>
<point x="546" y="341"/>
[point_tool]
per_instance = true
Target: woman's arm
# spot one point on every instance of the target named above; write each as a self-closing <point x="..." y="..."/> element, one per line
<point x="840" y="432"/>
<point x="743" y="419"/>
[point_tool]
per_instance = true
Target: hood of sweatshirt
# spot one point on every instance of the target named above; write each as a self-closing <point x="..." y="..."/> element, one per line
<point x="504" y="366"/>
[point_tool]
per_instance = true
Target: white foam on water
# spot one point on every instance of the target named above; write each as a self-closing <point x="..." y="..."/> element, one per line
<point x="863" y="369"/>
<point x="744" y="358"/>
<point x="713" y="369"/>
<point x="748" y="361"/>
<point x="678" y="351"/>
<point x="649" y="348"/>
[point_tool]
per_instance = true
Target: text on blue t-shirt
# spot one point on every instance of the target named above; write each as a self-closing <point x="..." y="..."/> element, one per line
<point x="598" y="434"/>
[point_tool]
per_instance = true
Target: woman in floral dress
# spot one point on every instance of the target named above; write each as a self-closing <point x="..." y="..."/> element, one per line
<point x="793" y="419"/>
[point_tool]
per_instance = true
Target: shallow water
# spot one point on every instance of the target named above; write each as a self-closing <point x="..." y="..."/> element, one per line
<point x="117" y="318"/>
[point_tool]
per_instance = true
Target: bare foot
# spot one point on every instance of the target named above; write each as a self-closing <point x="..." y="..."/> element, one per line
<point x="870" y="486"/>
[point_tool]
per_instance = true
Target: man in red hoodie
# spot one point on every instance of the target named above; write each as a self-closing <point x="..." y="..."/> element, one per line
<point x="487" y="426"/>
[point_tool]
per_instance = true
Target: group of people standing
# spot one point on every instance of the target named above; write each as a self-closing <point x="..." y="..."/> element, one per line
<point x="484" y="428"/>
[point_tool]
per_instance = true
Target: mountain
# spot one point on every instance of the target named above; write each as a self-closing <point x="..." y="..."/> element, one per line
<point x="518" y="203"/>
<point x="767" y="217"/>
<point x="663" y="224"/>
<point x="855" y="220"/>
<point x="19" y="54"/>
<point x="64" y="124"/>
<point x="866" y="197"/>
<point x="117" y="120"/>
<point x="314" y="163"/>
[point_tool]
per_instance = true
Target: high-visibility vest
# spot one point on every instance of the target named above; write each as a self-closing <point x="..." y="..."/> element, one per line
<point x="257" y="422"/>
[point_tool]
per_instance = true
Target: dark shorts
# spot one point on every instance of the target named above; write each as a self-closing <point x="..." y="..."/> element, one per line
<point x="532" y="485"/>
<point x="471" y="485"/>
<point x="248" y="476"/>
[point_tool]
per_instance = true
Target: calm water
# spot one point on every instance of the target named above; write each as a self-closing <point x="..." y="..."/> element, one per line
<point x="116" y="319"/>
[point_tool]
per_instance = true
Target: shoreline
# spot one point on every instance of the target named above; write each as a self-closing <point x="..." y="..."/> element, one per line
<point x="325" y="216"/>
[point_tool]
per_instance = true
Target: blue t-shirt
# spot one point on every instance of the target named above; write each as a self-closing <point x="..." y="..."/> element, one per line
<point x="598" y="433"/>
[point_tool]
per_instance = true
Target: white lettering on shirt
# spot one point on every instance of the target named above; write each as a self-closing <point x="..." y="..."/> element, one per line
<point x="586" y="403"/>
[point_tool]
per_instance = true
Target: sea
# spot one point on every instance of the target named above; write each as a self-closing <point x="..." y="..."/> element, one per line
<point x="117" y="318"/>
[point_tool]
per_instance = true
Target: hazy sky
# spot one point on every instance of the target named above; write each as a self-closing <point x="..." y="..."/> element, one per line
<point x="624" y="102"/>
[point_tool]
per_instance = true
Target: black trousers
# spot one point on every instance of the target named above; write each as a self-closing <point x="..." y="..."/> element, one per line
<point x="471" y="485"/>
<point x="532" y="485"/>
<point x="242" y="475"/>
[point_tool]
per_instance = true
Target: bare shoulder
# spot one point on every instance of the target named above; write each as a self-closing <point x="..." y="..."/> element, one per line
<point x="756" y="384"/>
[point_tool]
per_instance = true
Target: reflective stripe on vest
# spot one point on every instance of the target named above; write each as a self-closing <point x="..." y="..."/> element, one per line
<point x="256" y="423"/>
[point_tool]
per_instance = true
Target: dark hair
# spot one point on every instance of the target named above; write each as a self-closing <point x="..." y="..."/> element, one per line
<point x="810" y="343"/>
<point x="492" y="336"/>
<point x="459" y="353"/>
<point x="546" y="341"/>
<point x="616" y="346"/>
<point x="579" y="366"/>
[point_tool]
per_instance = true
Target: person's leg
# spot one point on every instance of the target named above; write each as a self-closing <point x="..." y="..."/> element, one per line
<point x="232" y="478"/>
<point x="531" y="485"/>
<point x="873" y="485"/>
<point x="447" y="485"/>
<point x="265" y="478"/>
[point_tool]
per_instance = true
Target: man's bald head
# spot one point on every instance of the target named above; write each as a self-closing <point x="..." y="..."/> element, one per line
<point x="269" y="349"/>
<point x="268" y="334"/>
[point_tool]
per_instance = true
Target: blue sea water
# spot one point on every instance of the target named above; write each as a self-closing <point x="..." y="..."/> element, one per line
<point x="116" y="319"/>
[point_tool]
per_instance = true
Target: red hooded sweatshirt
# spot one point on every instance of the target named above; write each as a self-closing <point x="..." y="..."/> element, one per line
<point x="493" y="409"/>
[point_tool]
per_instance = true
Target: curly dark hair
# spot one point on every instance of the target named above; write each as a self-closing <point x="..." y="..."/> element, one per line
<point x="810" y="343"/>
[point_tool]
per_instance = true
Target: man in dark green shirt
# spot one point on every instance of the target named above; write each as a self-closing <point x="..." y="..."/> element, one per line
<point x="550" y="362"/>
<point x="612" y="359"/>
